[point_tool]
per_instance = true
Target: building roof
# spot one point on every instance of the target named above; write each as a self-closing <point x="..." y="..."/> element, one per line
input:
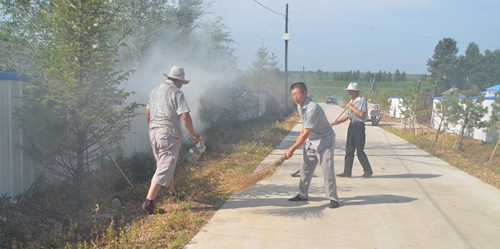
<point x="452" y="90"/>
<point x="493" y="88"/>
<point x="13" y="76"/>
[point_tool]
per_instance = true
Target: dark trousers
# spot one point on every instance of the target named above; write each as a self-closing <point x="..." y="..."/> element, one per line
<point x="356" y="142"/>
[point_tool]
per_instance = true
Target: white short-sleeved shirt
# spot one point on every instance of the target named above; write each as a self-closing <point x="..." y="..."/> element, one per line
<point x="313" y="117"/>
<point x="166" y="105"/>
<point x="362" y="105"/>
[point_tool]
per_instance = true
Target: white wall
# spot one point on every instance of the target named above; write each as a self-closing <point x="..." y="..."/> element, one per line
<point x="17" y="170"/>
<point x="478" y="134"/>
<point x="395" y="111"/>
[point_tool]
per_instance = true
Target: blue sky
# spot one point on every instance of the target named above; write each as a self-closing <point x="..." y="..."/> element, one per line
<point x="369" y="35"/>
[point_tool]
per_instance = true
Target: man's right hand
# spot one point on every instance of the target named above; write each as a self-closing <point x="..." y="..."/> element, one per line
<point x="196" y="138"/>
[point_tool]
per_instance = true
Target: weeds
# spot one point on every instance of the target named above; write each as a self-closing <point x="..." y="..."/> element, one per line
<point x="4" y="199"/>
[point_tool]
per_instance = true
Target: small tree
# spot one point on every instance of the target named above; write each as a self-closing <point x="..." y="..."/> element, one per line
<point x="382" y="98"/>
<point x="442" y="110"/>
<point x="467" y="113"/>
<point x="412" y="106"/>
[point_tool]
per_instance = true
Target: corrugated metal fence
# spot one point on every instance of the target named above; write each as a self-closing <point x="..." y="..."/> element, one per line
<point x="17" y="170"/>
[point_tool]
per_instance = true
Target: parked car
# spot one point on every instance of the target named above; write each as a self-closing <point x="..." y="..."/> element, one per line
<point x="331" y="100"/>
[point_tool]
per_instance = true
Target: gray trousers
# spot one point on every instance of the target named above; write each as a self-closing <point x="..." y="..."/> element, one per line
<point x="310" y="159"/>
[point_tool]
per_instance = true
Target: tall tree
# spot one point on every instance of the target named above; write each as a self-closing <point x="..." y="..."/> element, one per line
<point x="378" y="77"/>
<point x="163" y="25"/>
<point x="368" y="75"/>
<point x="263" y="77"/>
<point x="490" y="64"/>
<point x="74" y="104"/>
<point x="397" y="76"/>
<point x="319" y="74"/>
<point x="215" y="46"/>
<point x="470" y="66"/>
<point x="443" y="64"/>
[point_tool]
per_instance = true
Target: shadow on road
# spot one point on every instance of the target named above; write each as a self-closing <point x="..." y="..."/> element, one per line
<point x="403" y="176"/>
<point x="375" y="199"/>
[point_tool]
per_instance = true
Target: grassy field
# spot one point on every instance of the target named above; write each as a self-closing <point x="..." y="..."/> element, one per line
<point x="320" y="89"/>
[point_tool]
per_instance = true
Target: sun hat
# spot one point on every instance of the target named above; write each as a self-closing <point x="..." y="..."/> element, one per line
<point x="177" y="73"/>
<point x="353" y="86"/>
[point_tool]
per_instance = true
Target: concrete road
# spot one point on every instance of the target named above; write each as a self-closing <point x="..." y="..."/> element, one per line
<point x="413" y="200"/>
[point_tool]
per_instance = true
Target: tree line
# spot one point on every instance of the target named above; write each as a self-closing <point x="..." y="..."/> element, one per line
<point x="380" y="76"/>
<point x="472" y="70"/>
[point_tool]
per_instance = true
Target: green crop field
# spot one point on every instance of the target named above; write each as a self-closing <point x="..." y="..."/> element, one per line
<point x="320" y="89"/>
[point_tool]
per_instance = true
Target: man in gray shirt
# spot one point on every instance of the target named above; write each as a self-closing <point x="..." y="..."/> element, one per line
<point x="319" y="140"/>
<point x="166" y="107"/>
<point x="357" y="114"/>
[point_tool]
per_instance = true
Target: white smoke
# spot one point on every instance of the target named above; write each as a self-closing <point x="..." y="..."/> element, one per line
<point x="203" y="72"/>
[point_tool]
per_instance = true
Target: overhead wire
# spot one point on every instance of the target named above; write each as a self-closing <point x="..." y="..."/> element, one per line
<point x="381" y="29"/>
<point x="363" y="26"/>
<point x="268" y="8"/>
<point x="261" y="30"/>
<point x="267" y="26"/>
<point x="353" y="24"/>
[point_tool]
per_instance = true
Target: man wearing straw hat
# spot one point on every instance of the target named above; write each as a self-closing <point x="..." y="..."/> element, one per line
<point x="166" y="107"/>
<point x="319" y="139"/>
<point x="357" y="116"/>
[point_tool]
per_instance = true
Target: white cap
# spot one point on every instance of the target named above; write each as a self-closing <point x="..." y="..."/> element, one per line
<point x="353" y="86"/>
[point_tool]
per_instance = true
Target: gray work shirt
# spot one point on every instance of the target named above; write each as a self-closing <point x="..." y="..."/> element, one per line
<point x="362" y="105"/>
<point x="166" y="105"/>
<point x="313" y="117"/>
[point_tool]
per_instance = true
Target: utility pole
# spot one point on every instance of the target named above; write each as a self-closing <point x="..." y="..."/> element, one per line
<point x="286" y="37"/>
<point x="304" y="73"/>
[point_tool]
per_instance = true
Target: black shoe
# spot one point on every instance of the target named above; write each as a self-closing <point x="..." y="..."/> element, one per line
<point x="296" y="173"/>
<point x="297" y="198"/>
<point x="334" y="204"/>
<point x="344" y="175"/>
<point x="367" y="174"/>
<point x="152" y="209"/>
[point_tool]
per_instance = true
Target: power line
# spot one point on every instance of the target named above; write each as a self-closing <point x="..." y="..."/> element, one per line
<point x="374" y="28"/>
<point x="261" y="30"/>
<point x="363" y="26"/>
<point x="268" y="8"/>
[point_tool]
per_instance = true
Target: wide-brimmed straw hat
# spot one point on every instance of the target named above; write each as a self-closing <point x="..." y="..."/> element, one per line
<point x="177" y="73"/>
<point x="353" y="86"/>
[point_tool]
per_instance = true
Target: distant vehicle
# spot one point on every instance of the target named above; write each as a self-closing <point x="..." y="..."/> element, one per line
<point x="374" y="113"/>
<point x="331" y="100"/>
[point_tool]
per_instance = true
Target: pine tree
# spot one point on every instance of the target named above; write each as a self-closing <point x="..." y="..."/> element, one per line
<point x="75" y="104"/>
